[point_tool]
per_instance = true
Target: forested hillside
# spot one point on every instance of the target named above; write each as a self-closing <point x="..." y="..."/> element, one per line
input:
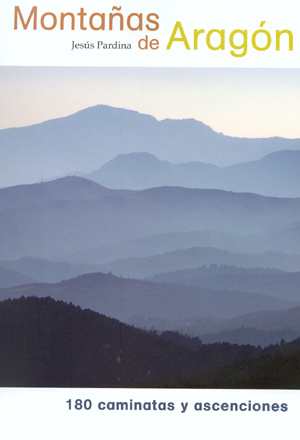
<point x="45" y="343"/>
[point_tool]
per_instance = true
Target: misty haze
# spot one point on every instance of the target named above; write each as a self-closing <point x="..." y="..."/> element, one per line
<point x="177" y="239"/>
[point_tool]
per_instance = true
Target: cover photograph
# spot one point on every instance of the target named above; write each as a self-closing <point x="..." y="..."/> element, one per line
<point x="149" y="219"/>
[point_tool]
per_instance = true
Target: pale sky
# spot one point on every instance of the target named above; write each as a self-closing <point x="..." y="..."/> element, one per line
<point x="236" y="102"/>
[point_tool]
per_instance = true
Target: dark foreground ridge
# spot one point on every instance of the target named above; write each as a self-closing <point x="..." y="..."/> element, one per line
<point x="48" y="343"/>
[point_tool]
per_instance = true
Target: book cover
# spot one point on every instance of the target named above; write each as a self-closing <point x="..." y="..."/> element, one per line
<point x="149" y="219"/>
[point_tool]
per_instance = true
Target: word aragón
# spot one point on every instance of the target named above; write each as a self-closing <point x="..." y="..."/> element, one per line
<point x="261" y="39"/>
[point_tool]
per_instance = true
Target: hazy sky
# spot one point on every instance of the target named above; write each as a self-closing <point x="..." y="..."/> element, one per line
<point x="237" y="102"/>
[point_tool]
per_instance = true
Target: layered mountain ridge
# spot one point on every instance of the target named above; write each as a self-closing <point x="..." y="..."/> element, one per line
<point x="276" y="174"/>
<point x="97" y="134"/>
<point x="71" y="217"/>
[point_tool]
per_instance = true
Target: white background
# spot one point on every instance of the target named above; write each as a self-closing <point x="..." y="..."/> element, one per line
<point x="43" y="414"/>
<point x="42" y="48"/>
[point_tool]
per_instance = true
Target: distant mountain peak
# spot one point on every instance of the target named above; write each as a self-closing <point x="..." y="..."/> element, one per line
<point x="137" y="154"/>
<point x="66" y="183"/>
<point x="100" y="133"/>
<point x="101" y="110"/>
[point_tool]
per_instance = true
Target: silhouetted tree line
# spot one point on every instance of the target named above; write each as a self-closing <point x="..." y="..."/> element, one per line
<point x="45" y="343"/>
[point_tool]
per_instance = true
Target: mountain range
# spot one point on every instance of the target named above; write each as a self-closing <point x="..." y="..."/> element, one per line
<point x="276" y="174"/>
<point x="49" y="220"/>
<point x="166" y="225"/>
<point x="258" y="328"/>
<point x="272" y="282"/>
<point x="280" y="247"/>
<point x="98" y="134"/>
<point x="9" y="278"/>
<point x="125" y="299"/>
<point x="165" y="267"/>
<point x="213" y="315"/>
<point x="27" y="270"/>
